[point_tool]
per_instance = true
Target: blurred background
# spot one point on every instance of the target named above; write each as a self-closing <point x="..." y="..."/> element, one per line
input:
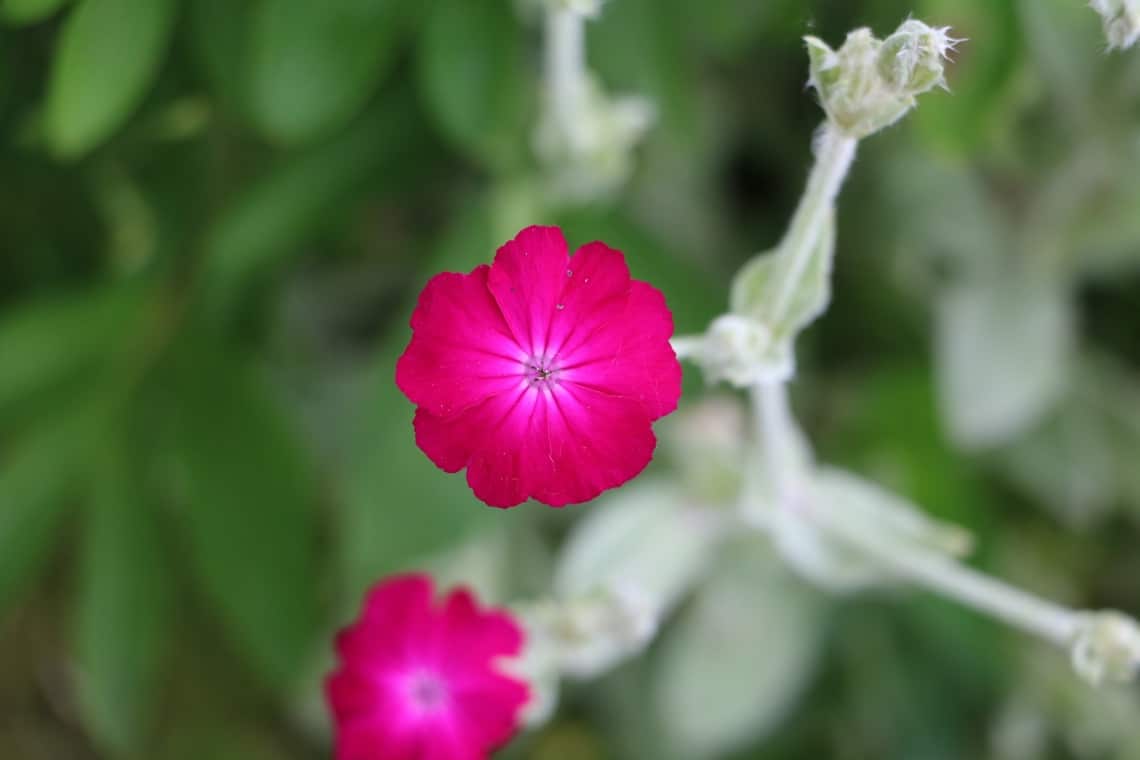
<point x="215" y="216"/>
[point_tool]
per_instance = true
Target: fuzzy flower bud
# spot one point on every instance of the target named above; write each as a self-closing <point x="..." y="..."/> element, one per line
<point x="592" y="157"/>
<point x="739" y="350"/>
<point x="910" y="60"/>
<point x="587" y="635"/>
<point x="869" y="84"/>
<point x="1121" y="21"/>
<point x="1107" y="649"/>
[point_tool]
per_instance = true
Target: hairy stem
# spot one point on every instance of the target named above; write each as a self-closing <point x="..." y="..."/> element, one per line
<point x="775" y="434"/>
<point x="565" y="50"/>
<point x="1052" y="622"/>
<point x="777" y="441"/>
<point x="834" y="152"/>
<point x="929" y="569"/>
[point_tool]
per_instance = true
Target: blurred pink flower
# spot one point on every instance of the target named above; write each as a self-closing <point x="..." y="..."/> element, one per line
<point x="541" y="373"/>
<point x="419" y="681"/>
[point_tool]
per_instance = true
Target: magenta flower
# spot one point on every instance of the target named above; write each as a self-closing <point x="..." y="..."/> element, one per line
<point x="420" y="682"/>
<point x="541" y="374"/>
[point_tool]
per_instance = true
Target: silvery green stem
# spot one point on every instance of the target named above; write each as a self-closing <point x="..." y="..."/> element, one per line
<point x="834" y="152"/>
<point x="775" y="437"/>
<point x="566" y="79"/>
<point x="1052" y="622"/>
<point x="1104" y="646"/>
<point x="929" y="569"/>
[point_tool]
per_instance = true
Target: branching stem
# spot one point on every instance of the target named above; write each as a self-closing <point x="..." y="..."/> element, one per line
<point x="566" y="67"/>
<point x="777" y="439"/>
<point x="834" y="152"/>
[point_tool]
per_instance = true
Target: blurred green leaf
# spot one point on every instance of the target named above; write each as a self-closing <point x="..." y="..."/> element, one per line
<point x="728" y="29"/>
<point x="980" y="78"/>
<point x="1067" y="464"/>
<point x="283" y="210"/>
<point x="645" y="538"/>
<point x="250" y="513"/>
<point x="636" y="46"/>
<point x="38" y="473"/>
<point x="52" y="340"/>
<point x="1127" y="454"/>
<point x="943" y="208"/>
<point x="735" y="663"/>
<point x="1004" y="353"/>
<point x="28" y="11"/>
<point x="474" y="78"/>
<point x="895" y="437"/>
<point x="124" y="603"/>
<point x="216" y="731"/>
<point x="1067" y="45"/>
<point x="312" y="65"/>
<point x="219" y="32"/>
<point x="399" y="507"/>
<point x="1112" y="390"/>
<point x="970" y="653"/>
<point x="108" y="54"/>
<point x="694" y="296"/>
<point x="1105" y="235"/>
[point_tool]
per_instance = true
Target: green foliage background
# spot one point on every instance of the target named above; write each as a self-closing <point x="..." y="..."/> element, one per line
<point x="215" y="216"/>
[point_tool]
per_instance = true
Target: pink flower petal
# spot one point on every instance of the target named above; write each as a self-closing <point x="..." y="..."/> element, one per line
<point x="351" y="693"/>
<point x="478" y="635"/>
<point x="592" y="300"/>
<point x="633" y="358"/>
<point x="494" y="440"/>
<point x="512" y="460"/>
<point x="452" y="744"/>
<point x="527" y="279"/>
<point x="522" y="370"/>
<point x="461" y="350"/>
<point x="489" y="711"/>
<point x="597" y="441"/>
<point x="375" y="740"/>
<point x="443" y="440"/>
<point x="405" y="599"/>
<point x="380" y="712"/>
<point x="369" y="716"/>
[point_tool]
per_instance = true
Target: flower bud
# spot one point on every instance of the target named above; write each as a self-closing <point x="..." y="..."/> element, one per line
<point x="910" y="60"/>
<point x="740" y="350"/>
<point x="593" y="157"/>
<point x="869" y="84"/>
<point x="1121" y="21"/>
<point x="1107" y="648"/>
<point x="587" y="635"/>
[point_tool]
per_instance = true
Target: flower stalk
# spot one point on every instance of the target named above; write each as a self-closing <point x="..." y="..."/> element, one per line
<point x="841" y="545"/>
<point x="585" y="137"/>
<point x="1121" y="20"/>
<point x="929" y="569"/>
<point x="566" y="78"/>
<point x="835" y="152"/>
<point x="865" y="86"/>
<point x="1104" y="646"/>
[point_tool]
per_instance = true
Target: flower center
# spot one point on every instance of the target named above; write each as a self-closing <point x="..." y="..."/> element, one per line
<point x="540" y="371"/>
<point x="426" y="691"/>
